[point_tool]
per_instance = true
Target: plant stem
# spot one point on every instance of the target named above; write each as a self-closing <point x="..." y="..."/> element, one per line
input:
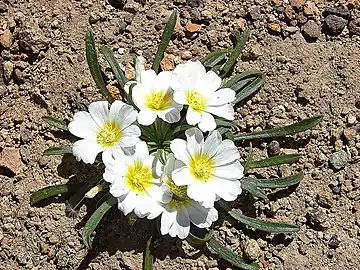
<point x="148" y="257"/>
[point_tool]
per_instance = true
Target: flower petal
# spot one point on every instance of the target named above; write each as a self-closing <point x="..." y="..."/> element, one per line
<point x="127" y="203"/>
<point x="221" y="97"/>
<point x="226" y="189"/>
<point x="212" y="143"/>
<point x="202" y="192"/>
<point x="195" y="139"/>
<point x="200" y="216"/>
<point x="130" y="135"/>
<point x="167" y="220"/>
<point x="227" y="153"/>
<point x="148" y="77"/>
<point x="86" y="150"/>
<point x="178" y="147"/>
<point x="225" y="111"/>
<point x="128" y="84"/>
<point x="107" y="156"/>
<point x="141" y="152"/>
<point x="209" y="83"/>
<point x="122" y="113"/>
<point x="192" y="116"/>
<point x="139" y="93"/>
<point x="99" y="111"/>
<point x="182" y="176"/>
<point x="83" y="126"/>
<point x="147" y="207"/>
<point x="162" y="81"/>
<point x="181" y="226"/>
<point x="171" y="115"/>
<point x="207" y="122"/>
<point x="146" y="117"/>
<point x="180" y="97"/>
<point x="230" y="171"/>
<point x="158" y="194"/>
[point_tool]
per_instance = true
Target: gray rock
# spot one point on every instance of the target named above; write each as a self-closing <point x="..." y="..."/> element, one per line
<point x="341" y="12"/>
<point x="354" y="27"/>
<point x="251" y="249"/>
<point x="8" y="69"/>
<point x="3" y="7"/>
<point x="334" y="241"/>
<point x="117" y="3"/>
<point x="318" y="219"/>
<point x="325" y="199"/>
<point x="31" y="38"/>
<point x="273" y="148"/>
<point x="338" y="160"/>
<point x="311" y="30"/>
<point x="43" y="161"/>
<point x="335" y="24"/>
<point x="254" y="13"/>
<point x="303" y="249"/>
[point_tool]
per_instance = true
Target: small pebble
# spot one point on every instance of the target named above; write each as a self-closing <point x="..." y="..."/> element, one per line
<point x="338" y="160"/>
<point x="273" y="148"/>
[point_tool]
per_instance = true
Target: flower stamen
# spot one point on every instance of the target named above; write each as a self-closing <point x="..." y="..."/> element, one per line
<point x="180" y="197"/>
<point x="196" y="101"/>
<point x="159" y="100"/>
<point x="138" y="177"/>
<point x="109" y="134"/>
<point x="202" y="166"/>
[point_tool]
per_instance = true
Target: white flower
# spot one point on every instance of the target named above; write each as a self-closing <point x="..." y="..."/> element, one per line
<point x="154" y="98"/>
<point x="135" y="182"/>
<point x="210" y="168"/>
<point x="198" y="89"/>
<point x="104" y="130"/>
<point x="181" y="210"/>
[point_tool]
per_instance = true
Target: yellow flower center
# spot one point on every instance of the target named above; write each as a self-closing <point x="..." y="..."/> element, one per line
<point x="139" y="177"/>
<point x="196" y="101"/>
<point x="109" y="134"/>
<point x="202" y="166"/>
<point x="180" y="197"/>
<point x="159" y="100"/>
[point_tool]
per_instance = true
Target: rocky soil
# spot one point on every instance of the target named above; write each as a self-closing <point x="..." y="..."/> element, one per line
<point x="310" y="53"/>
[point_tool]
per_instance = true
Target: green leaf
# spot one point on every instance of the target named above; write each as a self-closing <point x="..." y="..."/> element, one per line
<point x="267" y="226"/>
<point x="119" y="74"/>
<point x="165" y="39"/>
<point x="238" y="81"/>
<point x="253" y="189"/>
<point x="274" y="161"/>
<point x="94" y="220"/>
<point x="235" y="54"/>
<point x="181" y="128"/>
<point x="214" y="58"/>
<point x="231" y="256"/>
<point x="248" y="86"/>
<point x="76" y="200"/>
<point x="249" y="159"/>
<point x="53" y="151"/>
<point x="222" y="130"/>
<point x="55" y="122"/>
<point x="224" y="123"/>
<point x="93" y="63"/>
<point x="198" y="241"/>
<point x="52" y="191"/>
<point x="275" y="182"/>
<point x="281" y="131"/>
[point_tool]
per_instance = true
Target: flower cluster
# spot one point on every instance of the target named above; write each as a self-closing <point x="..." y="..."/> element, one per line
<point x="196" y="171"/>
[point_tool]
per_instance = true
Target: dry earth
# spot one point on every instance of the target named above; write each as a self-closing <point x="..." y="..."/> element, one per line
<point x="311" y="67"/>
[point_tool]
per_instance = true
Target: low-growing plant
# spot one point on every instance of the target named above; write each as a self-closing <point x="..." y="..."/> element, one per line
<point x="166" y="151"/>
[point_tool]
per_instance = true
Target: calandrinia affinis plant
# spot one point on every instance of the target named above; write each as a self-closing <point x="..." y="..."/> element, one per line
<point x="166" y="151"/>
